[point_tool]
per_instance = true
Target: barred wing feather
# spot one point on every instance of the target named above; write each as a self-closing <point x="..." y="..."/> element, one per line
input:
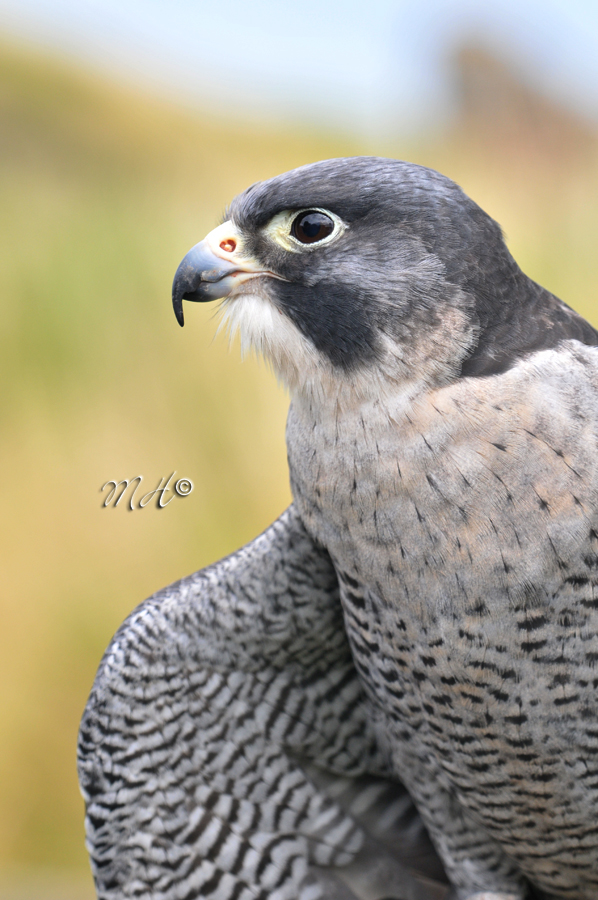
<point x="216" y="708"/>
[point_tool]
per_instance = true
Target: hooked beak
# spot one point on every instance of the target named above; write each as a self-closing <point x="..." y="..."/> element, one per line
<point x="213" y="269"/>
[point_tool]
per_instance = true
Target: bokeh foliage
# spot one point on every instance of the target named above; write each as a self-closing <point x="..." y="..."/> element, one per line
<point x="103" y="191"/>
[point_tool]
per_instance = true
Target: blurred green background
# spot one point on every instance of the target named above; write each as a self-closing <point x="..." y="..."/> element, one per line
<point x="103" y="189"/>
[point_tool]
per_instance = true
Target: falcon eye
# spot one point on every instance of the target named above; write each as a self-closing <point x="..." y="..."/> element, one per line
<point x="303" y="230"/>
<point x="312" y="226"/>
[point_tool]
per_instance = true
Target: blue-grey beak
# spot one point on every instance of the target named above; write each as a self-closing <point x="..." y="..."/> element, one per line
<point x="214" y="268"/>
<point x="201" y="276"/>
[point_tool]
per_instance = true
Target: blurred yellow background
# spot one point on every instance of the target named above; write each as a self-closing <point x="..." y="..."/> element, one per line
<point x="103" y="191"/>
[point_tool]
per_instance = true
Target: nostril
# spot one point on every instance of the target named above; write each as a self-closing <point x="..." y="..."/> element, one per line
<point x="228" y="245"/>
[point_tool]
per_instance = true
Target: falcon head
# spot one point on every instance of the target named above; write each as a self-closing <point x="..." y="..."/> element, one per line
<point x="363" y="274"/>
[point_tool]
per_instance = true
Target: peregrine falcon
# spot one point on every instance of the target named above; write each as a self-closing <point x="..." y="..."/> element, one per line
<point x="424" y="614"/>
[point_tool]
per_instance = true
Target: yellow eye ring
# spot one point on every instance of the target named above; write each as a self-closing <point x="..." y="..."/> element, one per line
<point x="291" y="228"/>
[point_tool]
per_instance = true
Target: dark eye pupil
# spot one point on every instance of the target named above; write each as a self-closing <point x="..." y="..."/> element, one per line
<point x="311" y="227"/>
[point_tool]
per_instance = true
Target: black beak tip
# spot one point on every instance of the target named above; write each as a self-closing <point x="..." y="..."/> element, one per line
<point x="178" y="292"/>
<point x="177" y="305"/>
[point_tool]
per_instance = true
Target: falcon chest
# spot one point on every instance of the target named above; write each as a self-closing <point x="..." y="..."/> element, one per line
<point x="448" y="556"/>
<point x="403" y="506"/>
<point x="386" y="497"/>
